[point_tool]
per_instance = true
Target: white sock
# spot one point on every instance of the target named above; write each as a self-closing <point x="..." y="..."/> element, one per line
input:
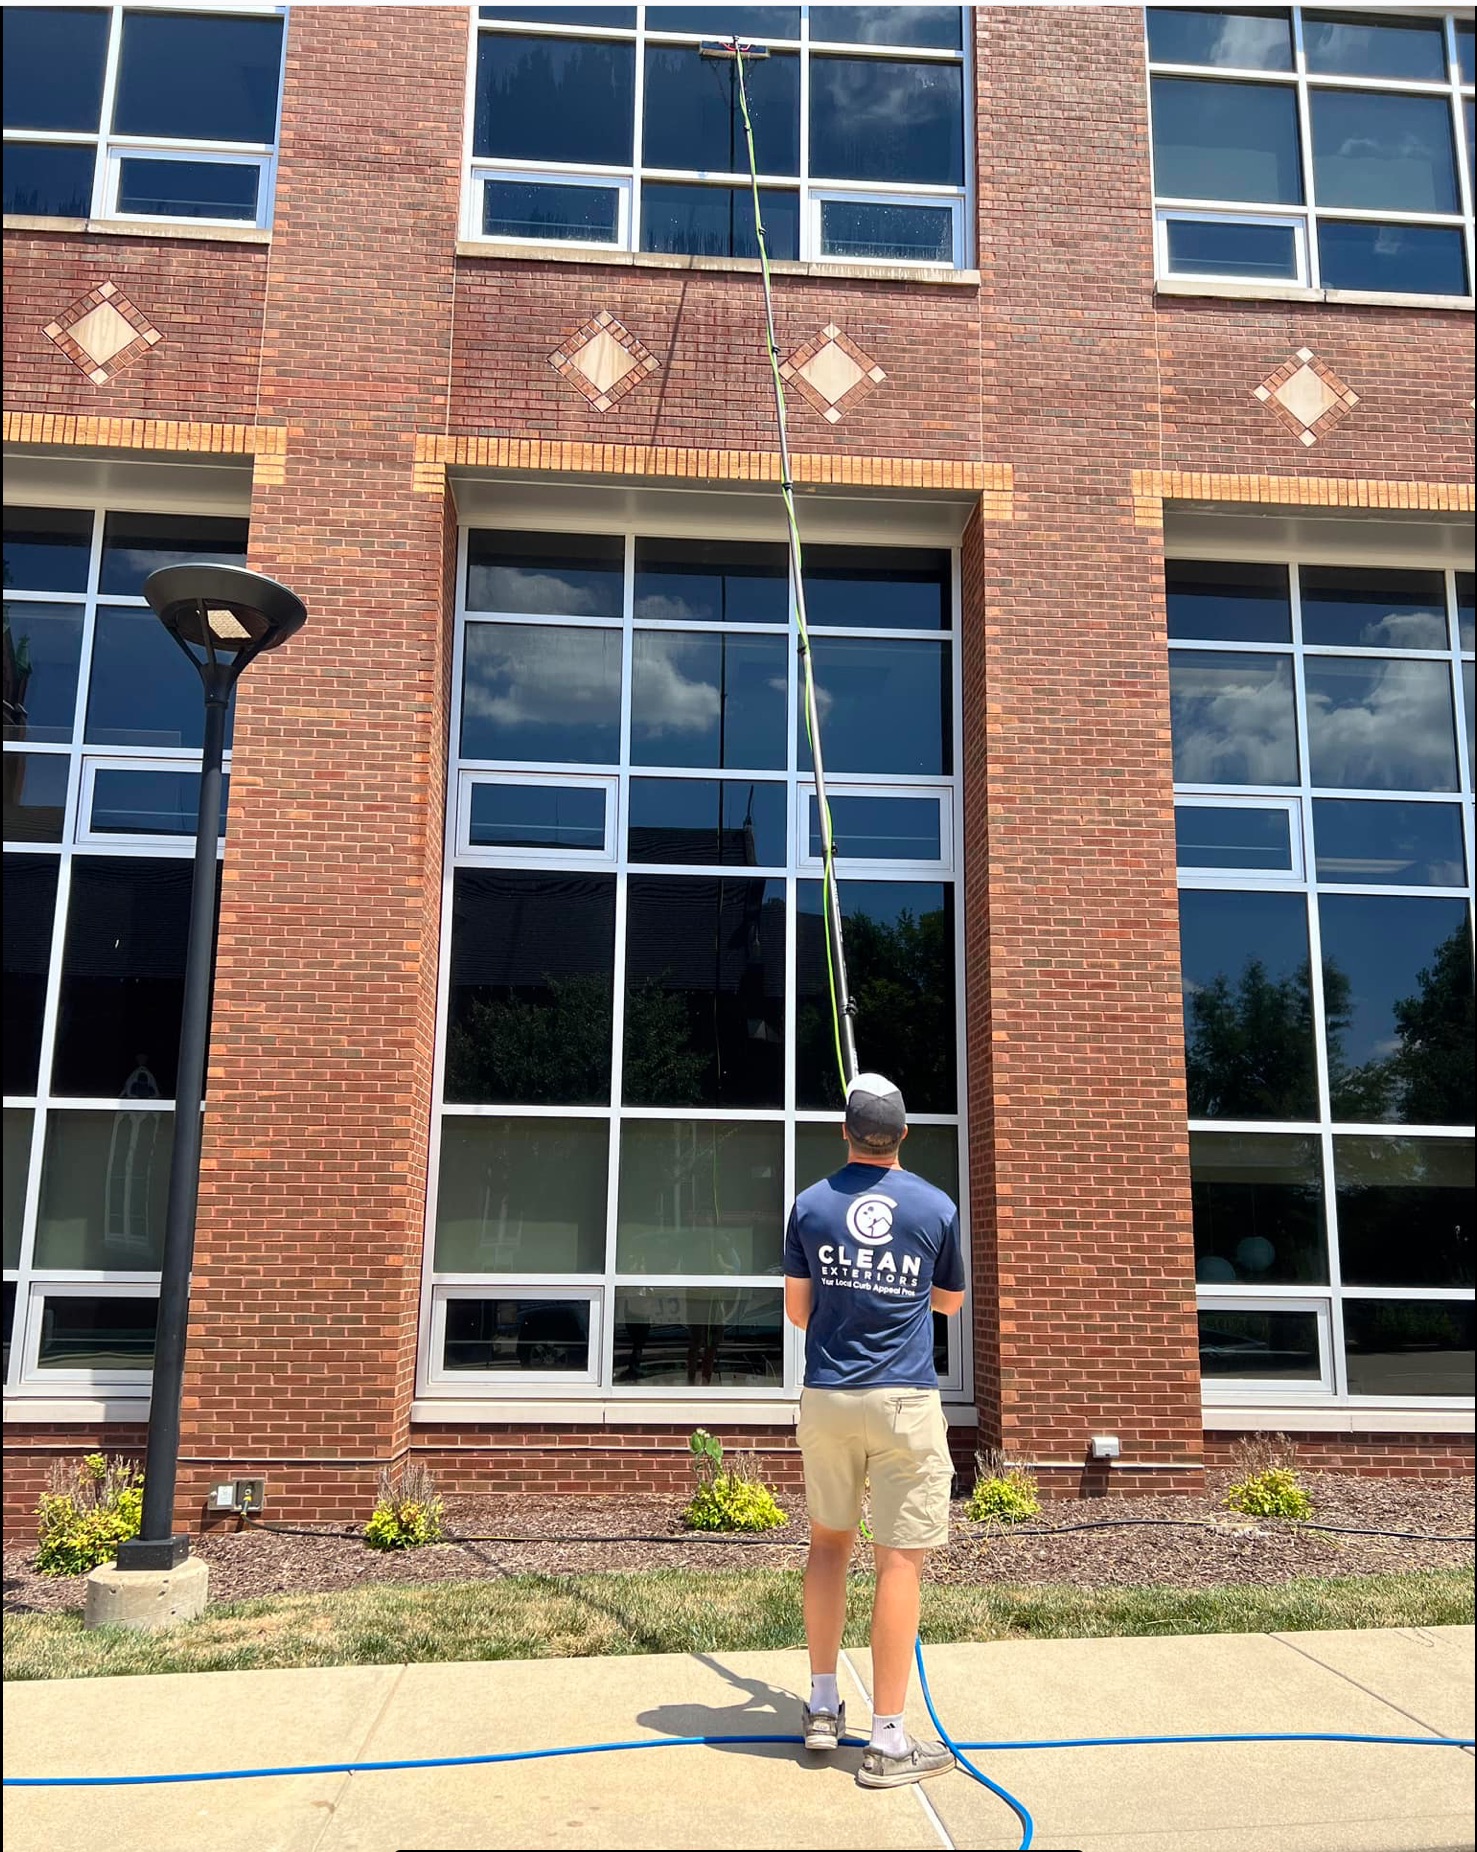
<point x="888" y="1735"/>
<point x="824" y="1697"/>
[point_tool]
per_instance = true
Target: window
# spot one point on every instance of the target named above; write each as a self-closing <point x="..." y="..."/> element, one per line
<point x="636" y="1070"/>
<point x="102" y="744"/>
<point x="142" y="113"/>
<point x="609" y="127"/>
<point x="1319" y="149"/>
<point x="1325" y="832"/>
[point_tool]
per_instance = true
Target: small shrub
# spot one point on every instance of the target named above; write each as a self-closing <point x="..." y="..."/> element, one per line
<point x="1273" y="1493"/>
<point x="89" y="1508"/>
<point x="1005" y="1498"/>
<point x="734" y="1500"/>
<point x="407" y="1513"/>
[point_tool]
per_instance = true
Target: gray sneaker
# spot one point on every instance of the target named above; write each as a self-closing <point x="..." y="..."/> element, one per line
<point x="921" y="1761"/>
<point x="823" y="1729"/>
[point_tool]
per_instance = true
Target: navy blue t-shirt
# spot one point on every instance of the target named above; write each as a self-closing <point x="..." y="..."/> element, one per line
<point x="873" y="1243"/>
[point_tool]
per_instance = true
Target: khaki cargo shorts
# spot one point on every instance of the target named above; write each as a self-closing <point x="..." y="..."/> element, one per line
<point x="899" y="1440"/>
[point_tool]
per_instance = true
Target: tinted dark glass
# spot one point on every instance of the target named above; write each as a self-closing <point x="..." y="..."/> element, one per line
<point x="545" y="575"/>
<point x="881" y="829"/>
<point x="1375" y="610"/>
<point x="532" y="976"/>
<point x="54" y="59"/>
<point x="614" y="16"/>
<point x="708" y="698"/>
<point x="733" y="823"/>
<point x="693" y="119"/>
<point x="128" y="803"/>
<point x="43" y="644"/>
<point x="1372" y="150"/>
<point x="1466" y="609"/>
<point x="547" y="1335"/>
<point x="882" y="588"/>
<point x="7" y="1319"/>
<point x="1276" y="1345"/>
<point x="874" y="232"/>
<point x="883" y="119"/>
<point x="189" y="189"/>
<point x="142" y="691"/>
<point x="35" y="796"/>
<point x="104" y="1190"/>
<point x="538" y="817"/>
<point x="705" y="992"/>
<point x="19" y="1123"/>
<point x="1232" y="718"/>
<point x="554" y="99"/>
<point x="717" y="221"/>
<point x="522" y="1195"/>
<point x="1391" y="844"/>
<point x="1258" y="1206"/>
<point x="123" y="978"/>
<point x="852" y="676"/>
<point x="1237" y="41"/>
<point x="1215" y="140"/>
<point x="1408" y="1346"/>
<point x="1248" y="1006"/>
<point x="199" y="77"/>
<point x="712" y="582"/>
<point x="1378" y="725"/>
<point x="725" y="22"/>
<point x="1466" y="51"/>
<point x="542" y="692"/>
<point x="1469" y="705"/>
<point x="48" y="180"/>
<point x="1397" y="998"/>
<point x="47" y="549"/>
<point x="93" y="1332"/>
<point x="1233" y="836"/>
<point x="1209" y="248"/>
<point x="721" y="1335"/>
<point x="700" y="1197"/>
<point x="900" y="960"/>
<point x="30" y="906"/>
<point x="1346" y="45"/>
<point x="134" y="545"/>
<point x="527" y="209"/>
<point x="1214" y="603"/>
<point x="1405" y="1211"/>
<point x="1423" y="260"/>
<point x="937" y="27"/>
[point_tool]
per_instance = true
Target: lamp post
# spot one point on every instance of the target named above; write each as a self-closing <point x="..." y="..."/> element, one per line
<point x="222" y="617"/>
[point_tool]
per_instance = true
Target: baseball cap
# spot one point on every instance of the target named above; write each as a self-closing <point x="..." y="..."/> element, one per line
<point x="875" y="1114"/>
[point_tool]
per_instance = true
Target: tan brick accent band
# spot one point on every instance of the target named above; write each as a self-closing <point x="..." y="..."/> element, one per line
<point x="1153" y="487"/>
<point x="266" y="443"/>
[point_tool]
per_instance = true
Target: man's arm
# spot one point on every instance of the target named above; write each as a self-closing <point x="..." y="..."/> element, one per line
<point x="947" y="1303"/>
<point x="798" y="1298"/>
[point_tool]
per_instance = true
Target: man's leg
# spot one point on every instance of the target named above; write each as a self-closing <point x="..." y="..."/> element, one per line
<point x="894" y="1627"/>
<point x="825" y="1596"/>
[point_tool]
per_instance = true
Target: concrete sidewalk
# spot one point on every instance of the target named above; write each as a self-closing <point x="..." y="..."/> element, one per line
<point x="1212" y="1798"/>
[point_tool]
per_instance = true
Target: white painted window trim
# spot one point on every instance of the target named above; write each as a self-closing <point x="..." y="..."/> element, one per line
<point x="497" y="855"/>
<point x="1165" y="216"/>
<point x="483" y="170"/>
<point x="861" y="868"/>
<point x="1213" y="798"/>
<point x="823" y="193"/>
<point x="29" y="1318"/>
<point x="545" y="1382"/>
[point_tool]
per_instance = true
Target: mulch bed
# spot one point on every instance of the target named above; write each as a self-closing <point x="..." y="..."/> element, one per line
<point x="584" y="1535"/>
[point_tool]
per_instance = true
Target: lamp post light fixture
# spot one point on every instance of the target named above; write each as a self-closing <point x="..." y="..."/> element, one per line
<point x="222" y="617"/>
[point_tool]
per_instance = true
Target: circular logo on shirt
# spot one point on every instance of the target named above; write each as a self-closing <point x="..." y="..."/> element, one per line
<point x="870" y="1220"/>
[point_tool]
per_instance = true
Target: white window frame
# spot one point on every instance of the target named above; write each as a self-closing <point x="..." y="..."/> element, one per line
<point x="1260" y="1388"/>
<point x="120" y="151"/>
<point x="483" y="170"/>
<point x="73" y="1286"/>
<point x="847" y="193"/>
<point x="861" y="867"/>
<point x="1188" y="798"/>
<point x="88" y="837"/>
<point x="478" y="1382"/>
<point x="496" y="854"/>
<point x="1165" y="216"/>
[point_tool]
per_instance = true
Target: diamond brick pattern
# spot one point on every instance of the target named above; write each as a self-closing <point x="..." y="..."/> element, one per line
<point x="603" y="360"/>
<point x="1306" y="397"/>
<point x="831" y="373"/>
<point x="103" y="332"/>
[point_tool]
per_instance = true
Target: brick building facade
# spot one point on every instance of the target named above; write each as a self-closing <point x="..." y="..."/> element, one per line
<point x="392" y="396"/>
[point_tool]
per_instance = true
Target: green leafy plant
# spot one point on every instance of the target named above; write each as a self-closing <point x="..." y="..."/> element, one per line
<point x="407" y="1513"/>
<point x="733" y="1500"/>
<point x="89" y="1507"/>
<point x="1274" y="1493"/>
<point x="1003" y="1494"/>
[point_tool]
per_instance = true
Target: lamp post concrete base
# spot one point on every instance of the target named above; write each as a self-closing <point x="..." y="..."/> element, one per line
<point x="145" y="1599"/>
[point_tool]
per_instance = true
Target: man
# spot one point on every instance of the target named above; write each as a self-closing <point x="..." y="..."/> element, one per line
<point x="870" y="1255"/>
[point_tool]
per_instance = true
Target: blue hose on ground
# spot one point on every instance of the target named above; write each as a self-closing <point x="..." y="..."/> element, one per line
<point x="1016" y="1807"/>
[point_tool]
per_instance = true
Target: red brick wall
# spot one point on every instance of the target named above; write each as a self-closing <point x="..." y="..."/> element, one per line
<point x="32" y="1452"/>
<point x="1387" y="1456"/>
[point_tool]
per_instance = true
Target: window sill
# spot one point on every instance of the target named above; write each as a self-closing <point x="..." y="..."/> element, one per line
<point x="1291" y="292"/>
<point x="34" y="1411"/>
<point x="1340" y="1418"/>
<point x="937" y="276"/>
<point x="595" y="1412"/>
<point x="135" y="228"/>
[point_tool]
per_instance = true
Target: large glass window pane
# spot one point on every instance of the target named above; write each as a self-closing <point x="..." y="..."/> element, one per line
<point x="530" y="209"/>
<point x="538" y="817"/>
<point x="198" y="77"/>
<point x="880" y="829"/>
<point x="134" y="545"/>
<point x="522" y="1196"/>
<point x="1466" y="610"/>
<point x="1378" y="725"/>
<point x="929" y="1151"/>
<point x="1405" y="1211"/>
<point x="853" y="678"/>
<point x="18" y="1122"/>
<point x="104" y="1185"/>
<point x="1375" y="150"/>
<point x="30" y="906"/>
<point x="872" y="231"/>
<point x="1346" y="45"/>
<point x="1466" y="50"/>
<point x="705" y="992"/>
<point x="936" y="28"/>
<point x="693" y="122"/>
<point x="1233" y="836"/>
<point x="128" y="803"/>
<point x="43" y="645"/>
<point x="1248" y="1006"/>
<point x="717" y="221"/>
<point x="142" y="691"/>
<point x="1359" y="607"/>
<point x="35" y="796"/>
<point x="877" y="588"/>
<point x="1215" y="140"/>
<point x="1232" y="718"/>
<point x="1422" y="260"/>
<point x="123" y="978"/>
<point x="555" y="100"/>
<point x="1469" y="707"/>
<point x="46" y="549"/>
<point x="545" y="575"/>
<point x="708" y="821"/>
<point x="712" y="582"/>
<point x="1277" y="1346"/>
<point x="1232" y="248"/>
<point x="532" y="978"/>
<point x="551" y="1336"/>
<point x="1237" y="41"/>
<point x="1208" y="602"/>
<point x="48" y="179"/>
<point x="545" y="692"/>
<point x="700" y="1197"/>
<point x="54" y="58"/>
<point x="885" y="119"/>
<point x="701" y="698"/>
<point x="94" y="1331"/>
<point x="1388" y="844"/>
<point x="899" y="939"/>
<point x="189" y="189"/>
<point x="724" y="22"/>
<point x="725" y="1336"/>
<point x="1258" y="1207"/>
<point x="1396" y="1347"/>
<point x="1397" y="1000"/>
<point x="612" y="16"/>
